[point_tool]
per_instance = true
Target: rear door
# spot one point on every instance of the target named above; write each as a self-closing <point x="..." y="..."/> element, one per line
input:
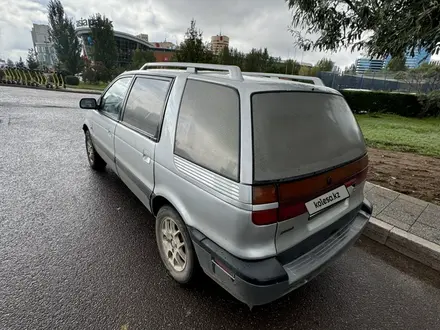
<point x="310" y="146"/>
<point x="138" y="132"/>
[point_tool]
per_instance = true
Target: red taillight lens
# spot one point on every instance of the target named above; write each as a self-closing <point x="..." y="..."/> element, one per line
<point x="265" y="217"/>
<point x="358" y="178"/>
<point x="290" y="211"/>
<point x="292" y="196"/>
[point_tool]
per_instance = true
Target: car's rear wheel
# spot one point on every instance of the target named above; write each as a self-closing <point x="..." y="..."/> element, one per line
<point x="95" y="160"/>
<point x="175" y="246"/>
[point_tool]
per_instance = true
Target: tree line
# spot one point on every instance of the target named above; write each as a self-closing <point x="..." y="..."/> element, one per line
<point x="194" y="50"/>
<point x="101" y="46"/>
<point x="338" y="24"/>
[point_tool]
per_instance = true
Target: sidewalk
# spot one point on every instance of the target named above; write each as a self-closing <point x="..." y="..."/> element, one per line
<point x="405" y="224"/>
<point x="82" y="91"/>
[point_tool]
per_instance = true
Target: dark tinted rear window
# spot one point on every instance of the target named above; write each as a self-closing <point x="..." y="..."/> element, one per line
<point x="208" y="127"/>
<point x="298" y="133"/>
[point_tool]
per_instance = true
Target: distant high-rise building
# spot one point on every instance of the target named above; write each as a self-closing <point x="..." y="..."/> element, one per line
<point x="219" y="42"/>
<point x="365" y="64"/>
<point x="420" y="56"/>
<point x="143" y="36"/>
<point x="42" y="45"/>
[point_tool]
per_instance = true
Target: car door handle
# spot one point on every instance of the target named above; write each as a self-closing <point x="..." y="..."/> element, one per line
<point x="109" y="133"/>
<point x="145" y="157"/>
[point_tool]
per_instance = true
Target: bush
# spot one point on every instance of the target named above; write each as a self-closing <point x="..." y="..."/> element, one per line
<point x="430" y="104"/>
<point x="71" y="80"/>
<point x="407" y="105"/>
<point x="89" y="75"/>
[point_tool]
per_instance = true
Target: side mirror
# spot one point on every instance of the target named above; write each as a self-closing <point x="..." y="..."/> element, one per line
<point x="88" y="103"/>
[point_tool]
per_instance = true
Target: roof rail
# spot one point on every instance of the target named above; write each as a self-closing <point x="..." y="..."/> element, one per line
<point x="315" y="80"/>
<point x="234" y="71"/>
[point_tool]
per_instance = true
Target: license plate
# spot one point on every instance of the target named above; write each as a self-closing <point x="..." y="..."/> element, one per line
<point x="326" y="200"/>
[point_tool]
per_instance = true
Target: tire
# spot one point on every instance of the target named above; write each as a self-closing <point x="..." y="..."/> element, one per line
<point x="183" y="271"/>
<point x="95" y="160"/>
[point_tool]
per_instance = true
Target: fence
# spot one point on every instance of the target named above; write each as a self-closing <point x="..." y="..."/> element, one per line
<point x="26" y="77"/>
<point x="372" y="81"/>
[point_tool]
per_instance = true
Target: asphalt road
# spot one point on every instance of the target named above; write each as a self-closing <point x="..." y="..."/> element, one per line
<point x="77" y="250"/>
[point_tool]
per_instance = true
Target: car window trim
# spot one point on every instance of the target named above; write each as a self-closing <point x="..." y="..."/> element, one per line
<point x="104" y="113"/>
<point x="155" y="138"/>
<point x="239" y="129"/>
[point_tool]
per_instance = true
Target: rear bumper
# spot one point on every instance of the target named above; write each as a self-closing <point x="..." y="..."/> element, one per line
<point x="263" y="281"/>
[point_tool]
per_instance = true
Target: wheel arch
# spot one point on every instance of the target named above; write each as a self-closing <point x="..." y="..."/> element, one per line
<point x="160" y="199"/>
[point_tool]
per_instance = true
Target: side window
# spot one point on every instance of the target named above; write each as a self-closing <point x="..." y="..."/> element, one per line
<point x="145" y="104"/>
<point x="111" y="102"/>
<point x="208" y="127"/>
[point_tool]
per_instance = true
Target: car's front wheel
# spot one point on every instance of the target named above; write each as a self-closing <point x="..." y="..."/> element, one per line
<point x="95" y="160"/>
<point x="175" y="246"/>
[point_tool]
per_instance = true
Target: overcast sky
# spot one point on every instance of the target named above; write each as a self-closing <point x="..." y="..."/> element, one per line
<point x="248" y="23"/>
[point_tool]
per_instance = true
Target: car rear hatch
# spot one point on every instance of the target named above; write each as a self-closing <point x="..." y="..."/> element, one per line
<point x="310" y="165"/>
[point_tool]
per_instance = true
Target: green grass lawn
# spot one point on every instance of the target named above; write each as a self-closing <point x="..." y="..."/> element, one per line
<point x="82" y="85"/>
<point x="421" y="136"/>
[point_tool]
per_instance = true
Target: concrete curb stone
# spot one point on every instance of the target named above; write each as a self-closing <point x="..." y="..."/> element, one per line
<point x="403" y="242"/>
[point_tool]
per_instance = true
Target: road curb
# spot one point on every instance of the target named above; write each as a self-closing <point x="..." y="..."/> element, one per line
<point x="91" y="91"/>
<point x="412" y="246"/>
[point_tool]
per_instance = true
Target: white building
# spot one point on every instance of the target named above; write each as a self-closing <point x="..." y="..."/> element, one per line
<point x="219" y="42"/>
<point x="42" y="45"/>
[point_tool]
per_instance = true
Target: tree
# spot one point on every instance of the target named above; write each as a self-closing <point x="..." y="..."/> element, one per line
<point x="325" y="64"/>
<point x="62" y="35"/>
<point x="350" y="69"/>
<point x="424" y="78"/>
<point x="380" y="27"/>
<point x="192" y="48"/>
<point x="305" y="71"/>
<point x="225" y="56"/>
<point x="31" y="60"/>
<point x="9" y="63"/>
<point x="397" y="63"/>
<point x="259" y="60"/>
<point x="103" y="41"/>
<point x="20" y="64"/>
<point x="292" y="67"/>
<point x="231" y="56"/>
<point x="140" y="57"/>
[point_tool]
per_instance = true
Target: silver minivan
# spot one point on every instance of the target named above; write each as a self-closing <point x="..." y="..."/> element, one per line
<point x="255" y="178"/>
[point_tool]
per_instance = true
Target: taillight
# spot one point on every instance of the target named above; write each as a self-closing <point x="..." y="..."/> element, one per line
<point x="283" y="211"/>
<point x="290" y="211"/>
<point x="358" y="178"/>
<point x="288" y="199"/>
<point x="264" y="194"/>
<point x="265" y="217"/>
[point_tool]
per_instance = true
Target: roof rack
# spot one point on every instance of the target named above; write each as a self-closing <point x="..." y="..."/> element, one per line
<point x="315" y="80"/>
<point x="234" y="71"/>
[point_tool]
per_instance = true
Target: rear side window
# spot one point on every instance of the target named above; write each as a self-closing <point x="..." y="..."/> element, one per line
<point x="208" y="127"/>
<point x="145" y="104"/>
<point x="297" y="133"/>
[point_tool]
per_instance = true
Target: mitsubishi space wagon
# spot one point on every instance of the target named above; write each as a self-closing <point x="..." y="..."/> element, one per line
<point x="256" y="179"/>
